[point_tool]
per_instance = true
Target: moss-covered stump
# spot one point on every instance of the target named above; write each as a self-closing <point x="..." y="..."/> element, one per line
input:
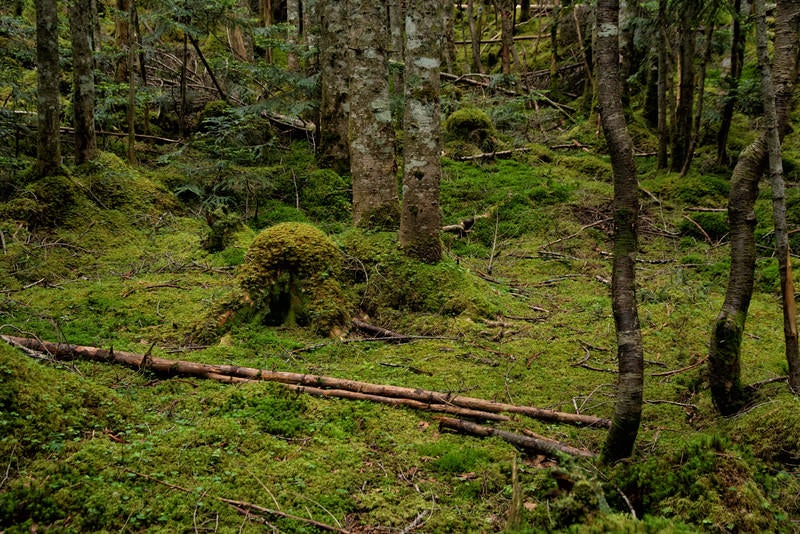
<point x="290" y="276"/>
<point x="471" y="125"/>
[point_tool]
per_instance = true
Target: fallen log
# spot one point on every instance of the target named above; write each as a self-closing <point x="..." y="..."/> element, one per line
<point x="531" y="444"/>
<point x="172" y="367"/>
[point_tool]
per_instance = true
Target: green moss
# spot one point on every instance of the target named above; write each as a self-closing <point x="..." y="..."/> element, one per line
<point x="714" y="225"/>
<point x="289" y="274"/>
<point x="471" y="125"/>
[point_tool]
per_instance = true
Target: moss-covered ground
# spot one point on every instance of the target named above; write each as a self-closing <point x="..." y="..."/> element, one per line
<point x="518" y="311"/>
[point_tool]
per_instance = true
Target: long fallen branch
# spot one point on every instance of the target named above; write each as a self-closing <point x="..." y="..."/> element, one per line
<point x="232" y="373"/>
<point x="532" y="444"/>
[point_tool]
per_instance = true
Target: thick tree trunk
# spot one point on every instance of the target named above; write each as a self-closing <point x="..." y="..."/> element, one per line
<point x="48" y="146"/>
<point x="732" y="83"/>
<point x="335" y="70"/>
<point x="372" y="145"/>
<point x="395" y="12"/>
<point x="628" y="407"/>
<point x="420" y="218"/>
<point x="725" y="348"/>
<point x="80" y="23"/>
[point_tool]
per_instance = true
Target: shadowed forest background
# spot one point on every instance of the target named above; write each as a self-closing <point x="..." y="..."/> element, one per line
<point x="363" y="266"/>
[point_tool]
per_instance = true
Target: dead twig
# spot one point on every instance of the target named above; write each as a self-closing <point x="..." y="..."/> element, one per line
<point x="698" y="363"/>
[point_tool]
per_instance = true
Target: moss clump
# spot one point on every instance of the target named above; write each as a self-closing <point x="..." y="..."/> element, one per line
<point x="290" y="277"/>
<point x="222" y="227"/>
<point x="46" y="202"/>
<point x="471" y="125"/>
<point x="713" y="224"/>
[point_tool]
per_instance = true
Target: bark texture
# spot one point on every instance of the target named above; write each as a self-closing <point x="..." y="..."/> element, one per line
<point x="732" y="83"/>
<point x="372" y="145"/>
<point x="775" y="166"/>
<point x="420" y="218"/>
<point x="628" y="407"/>
<point x="724" y="360"/>
<point x="80" y="25"/>
<point x="48" y="147"/>
<point x="681" y="138"/>
<point x="334" y="59"/>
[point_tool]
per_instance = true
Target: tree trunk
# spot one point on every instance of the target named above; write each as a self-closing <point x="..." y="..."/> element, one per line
<point x="372" y="144"/>
<point x="701" y="86"/>
<point x="683" y="117"/>
<point x="725" y="348"/>
<point x="475" y="35"/>
<point x="663" y="130"/>
<point x="448" y="43"/>
<point x="775" y="166"/>
<point x="732" y="83"/>
<point x="524" y="11"/>
<point x="48" y="146"/>
<point x="628" y="407"/>
<point x="123" y="39"/>
<point x="132" y="84"/>
<point x="420" y="218"/>
<point x="80" y="25"/>
<point x="506" y="9"/>
<point x="293" y="37"/>
<point x="334" y="59"/>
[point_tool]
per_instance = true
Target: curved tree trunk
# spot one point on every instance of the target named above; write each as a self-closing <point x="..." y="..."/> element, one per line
<point x="628" y="407"/>
<point x="80" y="25"/>
<point x="420" y="218"/>
<point x="48" y="147"/>
<point x="725" y="348"/>
<point x="372" y="144"/>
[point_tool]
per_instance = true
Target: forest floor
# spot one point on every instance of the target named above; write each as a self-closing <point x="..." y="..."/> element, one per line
<point x="518" y="312"/>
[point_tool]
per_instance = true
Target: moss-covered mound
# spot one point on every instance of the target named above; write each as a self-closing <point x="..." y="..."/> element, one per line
<point x="471" y="125"/>
<point x="290" y="277"/>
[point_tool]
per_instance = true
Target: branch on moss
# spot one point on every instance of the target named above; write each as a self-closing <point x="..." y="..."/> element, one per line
<point x="536" y="445"/>
<point x="234" y="373"/>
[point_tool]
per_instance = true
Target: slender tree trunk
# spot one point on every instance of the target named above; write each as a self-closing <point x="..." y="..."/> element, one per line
<point x="701" y="85"/>
<point x="775" y="166"/>
<point x="293" y="38"/>
<point x="686" y="52"/>
<point x="48" y="146"/>
<point x="123" y="38"/>
<point x="475" y="36"/>
<point x="506" y="10"/>
<point x="372" y="146"/>
<point x="524" y="11"/>
<point x="628" y="407"/>
<point x="80" y="23"/>
<point x="267" y="20"/>
<point x="448" y="44"/>
<point x="182" y="105"/>
<point x="334" y="57"/>
<point x="732" y="82"/>
<point x="132" y="83"/>
<point x="725" y="348"/>
<point x="420" y="219"/>
<point x="663" y="75"/>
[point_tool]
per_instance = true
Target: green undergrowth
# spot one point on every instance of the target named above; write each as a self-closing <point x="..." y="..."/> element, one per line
<point x="519" y="311"/>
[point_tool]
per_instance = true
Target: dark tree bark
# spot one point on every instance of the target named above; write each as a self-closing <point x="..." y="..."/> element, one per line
<point x="701" y="86"/>
<point x="335" y="70"/>
<point x="123" y="38"/>
<point x="663" y="130"/>
<point x="628" y="407"/>
<point x="725" y="348"/>
<point x="524" y="11"/>
<point x="506" y="10"/>
<point x="372" y="144"/>
<point x="732" y="83"/>
<point x="48" y="147"/>
<point x="80" y="23"/>
<point x="682" y="135"/>
<point x="420" y="218"/>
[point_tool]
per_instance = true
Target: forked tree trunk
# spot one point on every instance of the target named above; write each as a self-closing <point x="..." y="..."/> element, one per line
<point x="48" y="146"/>
<point x="728" y="394"/>
<point x="628" y="407"/>
<point x="372" y="145"/>
<point x="775" y="166"/>
<point x="420" y="218"/>
<point x="80" y="25"/>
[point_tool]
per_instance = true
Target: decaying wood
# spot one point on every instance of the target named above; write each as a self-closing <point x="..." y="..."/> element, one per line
<point x="531" y="444"/>
<point x="464" y="226"/>
<point x="491" y="155"/>
<point x="379" y="331"/>
<point x="232" y="373"/>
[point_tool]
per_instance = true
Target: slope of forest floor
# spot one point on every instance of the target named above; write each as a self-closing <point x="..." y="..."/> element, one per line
<point x="519" y="312"/>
